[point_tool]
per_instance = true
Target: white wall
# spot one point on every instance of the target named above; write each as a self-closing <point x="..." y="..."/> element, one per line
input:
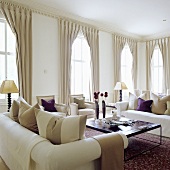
<point x="141" y="81"/>
<point x="45" y="56"/>
<point x="46" y="68"/>
<point x="106" y="64"/>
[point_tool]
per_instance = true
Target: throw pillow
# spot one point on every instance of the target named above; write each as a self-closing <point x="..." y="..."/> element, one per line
<point x="159" y="104"/>
<point x="27" y="117"/>
<point x="59" y="129"/>
<point x="49" y="105"/>
<point x="14" y="111"/>
<point x="144" y="105"/>
<point x="167" y="112"/>
<point x="133" y="101"/>
<point x="80" y="102"/>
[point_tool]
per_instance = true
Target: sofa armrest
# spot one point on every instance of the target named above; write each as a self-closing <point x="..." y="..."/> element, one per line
<point x="121" y="106"/>
<point x="90" y="105"/>
<point x="73" y="109"/>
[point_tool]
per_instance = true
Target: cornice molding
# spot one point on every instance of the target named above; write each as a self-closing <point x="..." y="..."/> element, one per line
<point x="54" y="13"/>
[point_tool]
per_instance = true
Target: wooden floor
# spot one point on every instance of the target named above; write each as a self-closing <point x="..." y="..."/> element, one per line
<point x="3" y="165"/>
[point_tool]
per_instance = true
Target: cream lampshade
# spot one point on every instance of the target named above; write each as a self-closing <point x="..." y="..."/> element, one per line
<point x="120" y="86"/>
<point x="8" y="87"/>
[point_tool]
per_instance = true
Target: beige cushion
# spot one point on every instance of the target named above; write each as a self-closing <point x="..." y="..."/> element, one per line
<point x="14" y="111"/>
<point x="167" y="112"/>
<point x="60" y="129"/>
<point x="133" y="100"/>
<point x="75" y="96"/>
<point x="80" y="102"/>
<point x="61" y="108"/>
<point x="159" y="104"/>
<point x="27" y="116"/>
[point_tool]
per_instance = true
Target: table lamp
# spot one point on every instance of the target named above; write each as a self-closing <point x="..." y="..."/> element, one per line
<point x="8" y="87"/>
<point x="120" y="86"/>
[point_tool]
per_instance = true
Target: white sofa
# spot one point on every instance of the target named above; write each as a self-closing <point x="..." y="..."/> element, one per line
<point x="164" y="120"/>
<point x="22" y="149"/>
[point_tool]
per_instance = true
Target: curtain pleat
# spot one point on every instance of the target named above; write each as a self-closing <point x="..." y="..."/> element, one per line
<point x="150" y="45"/>
<point x="20" y="21"/>
<point x="92" y="37"/>
<point x="68" y="33"/>
<point x="164" y="45"/>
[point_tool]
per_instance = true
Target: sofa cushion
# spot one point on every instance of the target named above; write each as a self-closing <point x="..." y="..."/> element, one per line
<point x="14" y="110"/>
<point x="144" y="105"/>
<point x="167" y="112"/>
<point x="49" y="105"/>
<point x="159" y="104"/>
<point x="133" y="101"/>
<point x="80" y="102"/>
<point x="27" y="116"/>
<point x="59" y="129"/>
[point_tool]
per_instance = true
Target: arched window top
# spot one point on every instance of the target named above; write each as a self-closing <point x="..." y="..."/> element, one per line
<point x="157" y="71"/>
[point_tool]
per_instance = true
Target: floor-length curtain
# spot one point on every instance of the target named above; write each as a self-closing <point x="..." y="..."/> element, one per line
<point x="118" y="45"/>
<point x="164" y="45"/>
<point x="20" y="21"/>
<point x="92" y="36"/>
<point x="150" y="45"/>
<point x="133" y="48"/>
<point x="68" y="33"/>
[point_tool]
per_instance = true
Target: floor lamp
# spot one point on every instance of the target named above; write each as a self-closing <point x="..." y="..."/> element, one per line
<point x="8" y="87"/>
<point x="120" y="86"/>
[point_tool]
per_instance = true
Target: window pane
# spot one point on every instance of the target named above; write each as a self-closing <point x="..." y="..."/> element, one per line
<point x="77" y="49"/>
<point x="2" y="72"/>
<point x="10" y="40"/>
<point x="2" y="36"/>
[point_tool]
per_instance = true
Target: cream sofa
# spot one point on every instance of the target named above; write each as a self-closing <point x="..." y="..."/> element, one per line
<point x="22" y="149"/>
<point x="157" y="116"/>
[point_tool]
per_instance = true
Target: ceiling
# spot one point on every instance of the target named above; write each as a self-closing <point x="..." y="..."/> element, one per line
<point x="142" y="18"/>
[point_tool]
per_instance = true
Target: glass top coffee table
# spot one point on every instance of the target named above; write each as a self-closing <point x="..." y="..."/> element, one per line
<point x="128" y="127"/>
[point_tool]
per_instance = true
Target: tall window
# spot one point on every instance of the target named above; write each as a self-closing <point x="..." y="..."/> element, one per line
<point x="126" y="66"/>
<point x="157" y="70"/>
<point x="80" y="67"/>
<point x="8" y="69"/>
<point x="126" y="69"/>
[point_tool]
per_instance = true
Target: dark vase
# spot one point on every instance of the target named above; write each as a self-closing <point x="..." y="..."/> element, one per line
<point x="97" y="109"/>
<point x="103" y="108"/>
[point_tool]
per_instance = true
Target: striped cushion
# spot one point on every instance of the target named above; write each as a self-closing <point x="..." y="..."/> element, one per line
<point x="59" y="129"/>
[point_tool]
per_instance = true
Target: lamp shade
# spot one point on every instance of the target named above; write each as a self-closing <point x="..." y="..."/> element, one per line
<point x="8" y="86"/>
<point x="120" y="86"/>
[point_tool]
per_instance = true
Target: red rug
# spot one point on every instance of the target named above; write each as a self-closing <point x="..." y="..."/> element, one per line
<point x="155" y="159"/>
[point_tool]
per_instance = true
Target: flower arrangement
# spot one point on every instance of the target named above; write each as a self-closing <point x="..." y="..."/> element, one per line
<point x="96" y="96"/>
<point x="105" y="94"/>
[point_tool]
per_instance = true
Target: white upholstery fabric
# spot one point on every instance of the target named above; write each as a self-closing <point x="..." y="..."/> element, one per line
<point x="19" y="144"/>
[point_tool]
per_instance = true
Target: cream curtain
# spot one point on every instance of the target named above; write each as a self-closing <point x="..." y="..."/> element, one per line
<point x="164" y="45"/>
<point x="92" y="36"/>
<point x="68" y="33"/>
<point x="150" y="45"/>
<point x="133" y="48"/>
<point x="20" y="21"/>
<point x="118" y="45"/>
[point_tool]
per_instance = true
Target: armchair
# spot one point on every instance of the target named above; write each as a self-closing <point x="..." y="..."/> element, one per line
<point x="78" y="106"/>
<point x="62" y="108"/>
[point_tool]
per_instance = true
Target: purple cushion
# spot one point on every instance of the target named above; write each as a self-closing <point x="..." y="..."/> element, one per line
<point x="144" y="105"/>
<point x="49" y="105"/>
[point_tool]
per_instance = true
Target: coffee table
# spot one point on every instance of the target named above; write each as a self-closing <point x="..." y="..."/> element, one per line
<point x="128" y="127"/>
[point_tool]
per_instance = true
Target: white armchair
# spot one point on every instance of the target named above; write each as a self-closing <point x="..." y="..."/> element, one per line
<point x="78" y="106"/>
<point x="61" y="108"/>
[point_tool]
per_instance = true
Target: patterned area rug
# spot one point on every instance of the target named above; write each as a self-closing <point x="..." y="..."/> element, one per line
<point x="155" y="159"/>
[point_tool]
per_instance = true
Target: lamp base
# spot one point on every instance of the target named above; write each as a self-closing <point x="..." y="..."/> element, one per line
<point x="9" y="101"/>
<point x="120" y="96"/>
